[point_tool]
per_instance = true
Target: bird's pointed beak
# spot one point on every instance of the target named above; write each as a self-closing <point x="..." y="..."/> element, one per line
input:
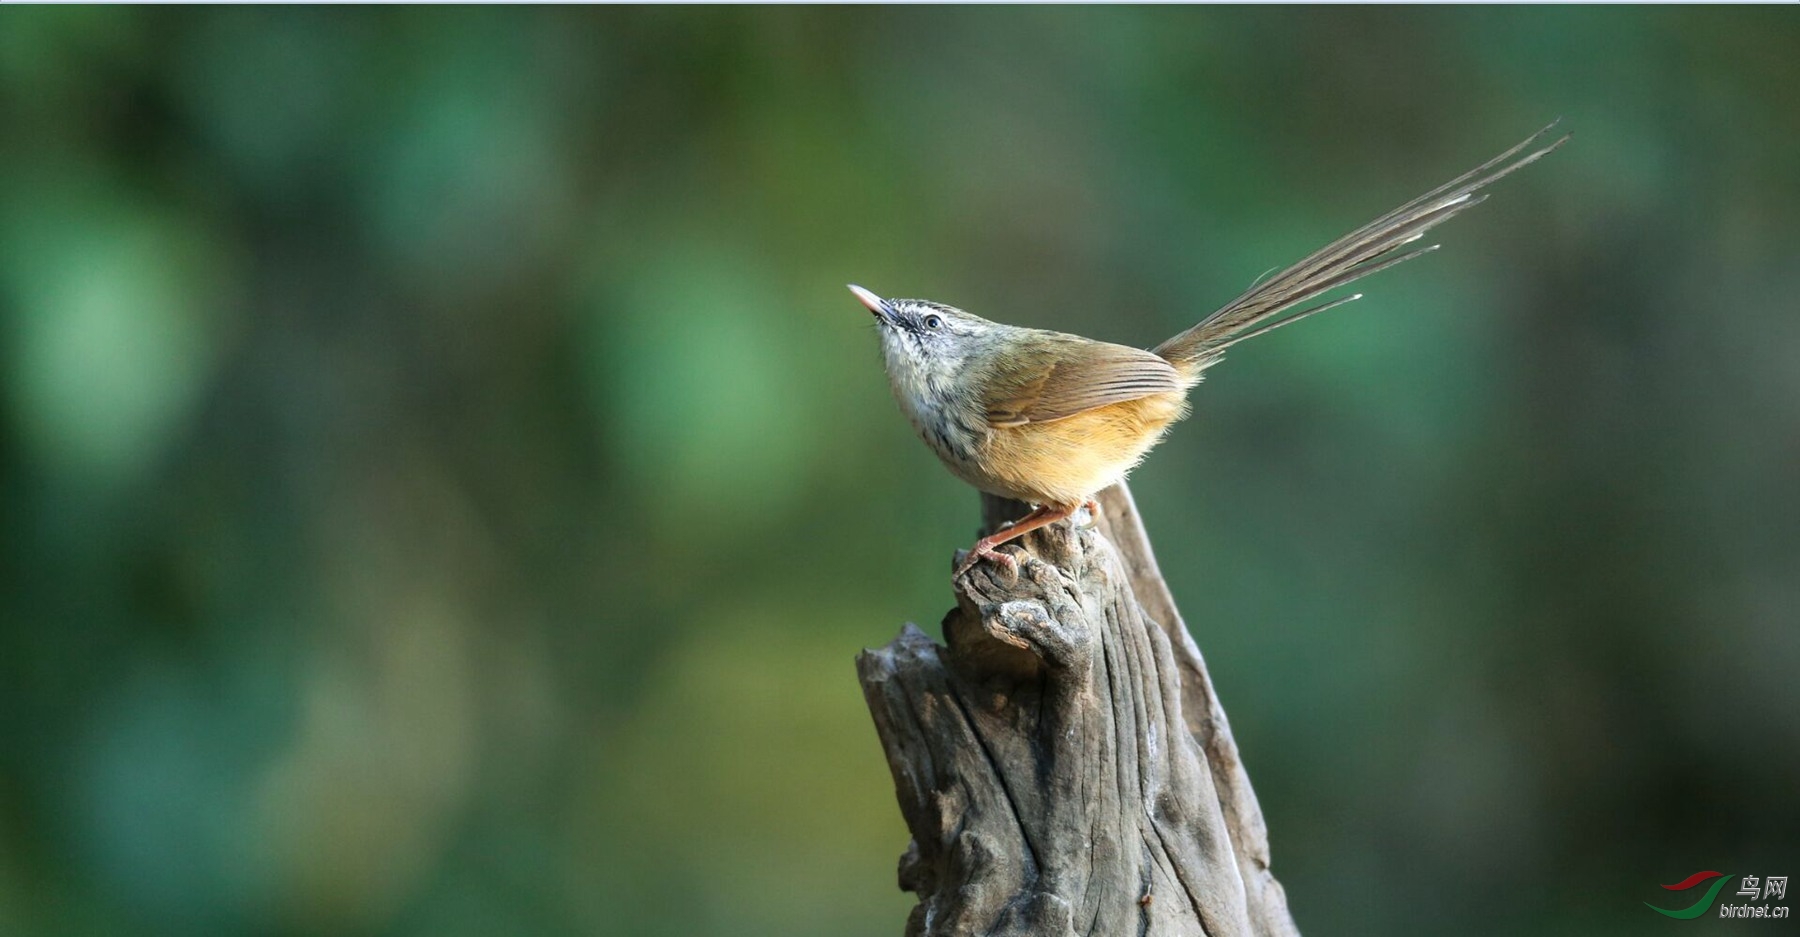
<point x="876" y="305"/>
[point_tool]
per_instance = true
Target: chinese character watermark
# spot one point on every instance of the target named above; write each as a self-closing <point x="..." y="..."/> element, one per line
<point x="1708" y="885"/>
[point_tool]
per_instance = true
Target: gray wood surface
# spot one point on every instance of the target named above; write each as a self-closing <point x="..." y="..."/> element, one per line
<point x="1062" y="761"/>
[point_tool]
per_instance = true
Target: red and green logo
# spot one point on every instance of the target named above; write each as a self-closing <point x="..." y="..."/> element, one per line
<point x="1700" y="907"/>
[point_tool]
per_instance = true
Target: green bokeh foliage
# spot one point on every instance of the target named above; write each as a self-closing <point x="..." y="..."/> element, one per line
<point x="445" y="483"/>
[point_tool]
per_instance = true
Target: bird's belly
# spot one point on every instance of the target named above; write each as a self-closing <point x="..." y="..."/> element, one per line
<point x="1067" y="461"/>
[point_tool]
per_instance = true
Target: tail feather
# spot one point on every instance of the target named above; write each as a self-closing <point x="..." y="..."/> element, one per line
<point x="1369" y="249"/>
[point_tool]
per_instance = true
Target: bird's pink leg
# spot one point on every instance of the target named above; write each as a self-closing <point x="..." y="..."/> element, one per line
<point x="1048" y="514"/>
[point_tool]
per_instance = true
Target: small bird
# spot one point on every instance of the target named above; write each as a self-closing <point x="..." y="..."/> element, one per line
<point x="1051" y="419"/>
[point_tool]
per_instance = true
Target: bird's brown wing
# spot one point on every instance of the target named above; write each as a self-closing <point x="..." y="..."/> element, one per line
<point x="1062" y="375"/>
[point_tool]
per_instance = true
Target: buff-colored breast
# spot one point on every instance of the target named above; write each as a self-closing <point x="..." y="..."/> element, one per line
<point x="1065" y="462"/>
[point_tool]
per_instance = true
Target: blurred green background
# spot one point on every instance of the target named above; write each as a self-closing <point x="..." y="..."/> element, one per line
<point x="445" y="481"/>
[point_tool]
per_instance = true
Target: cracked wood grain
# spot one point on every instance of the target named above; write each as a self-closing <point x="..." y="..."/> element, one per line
<point x="1062" y="761"/>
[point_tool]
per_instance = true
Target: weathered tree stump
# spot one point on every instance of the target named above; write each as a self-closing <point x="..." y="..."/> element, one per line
<point x="1062" y="762"/>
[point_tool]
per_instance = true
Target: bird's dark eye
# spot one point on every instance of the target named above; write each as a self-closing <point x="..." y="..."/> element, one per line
<point x="934" y="321"/>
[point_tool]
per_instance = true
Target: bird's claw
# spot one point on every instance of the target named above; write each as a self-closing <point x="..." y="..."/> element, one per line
<point x="982" y="551"/>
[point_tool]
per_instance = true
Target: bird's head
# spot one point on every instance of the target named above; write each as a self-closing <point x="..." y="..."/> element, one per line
<point x="925" y="341"/>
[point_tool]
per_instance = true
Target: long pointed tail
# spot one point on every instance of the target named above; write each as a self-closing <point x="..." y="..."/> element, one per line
<point x="1369" y="249"/>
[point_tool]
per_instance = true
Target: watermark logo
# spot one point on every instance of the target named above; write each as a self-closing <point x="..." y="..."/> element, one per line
<point x="1752" y="887"/>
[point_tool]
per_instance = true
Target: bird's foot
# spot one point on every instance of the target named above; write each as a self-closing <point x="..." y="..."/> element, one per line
<point x="985" y="550"/>
<point x="1046" y="514"/>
